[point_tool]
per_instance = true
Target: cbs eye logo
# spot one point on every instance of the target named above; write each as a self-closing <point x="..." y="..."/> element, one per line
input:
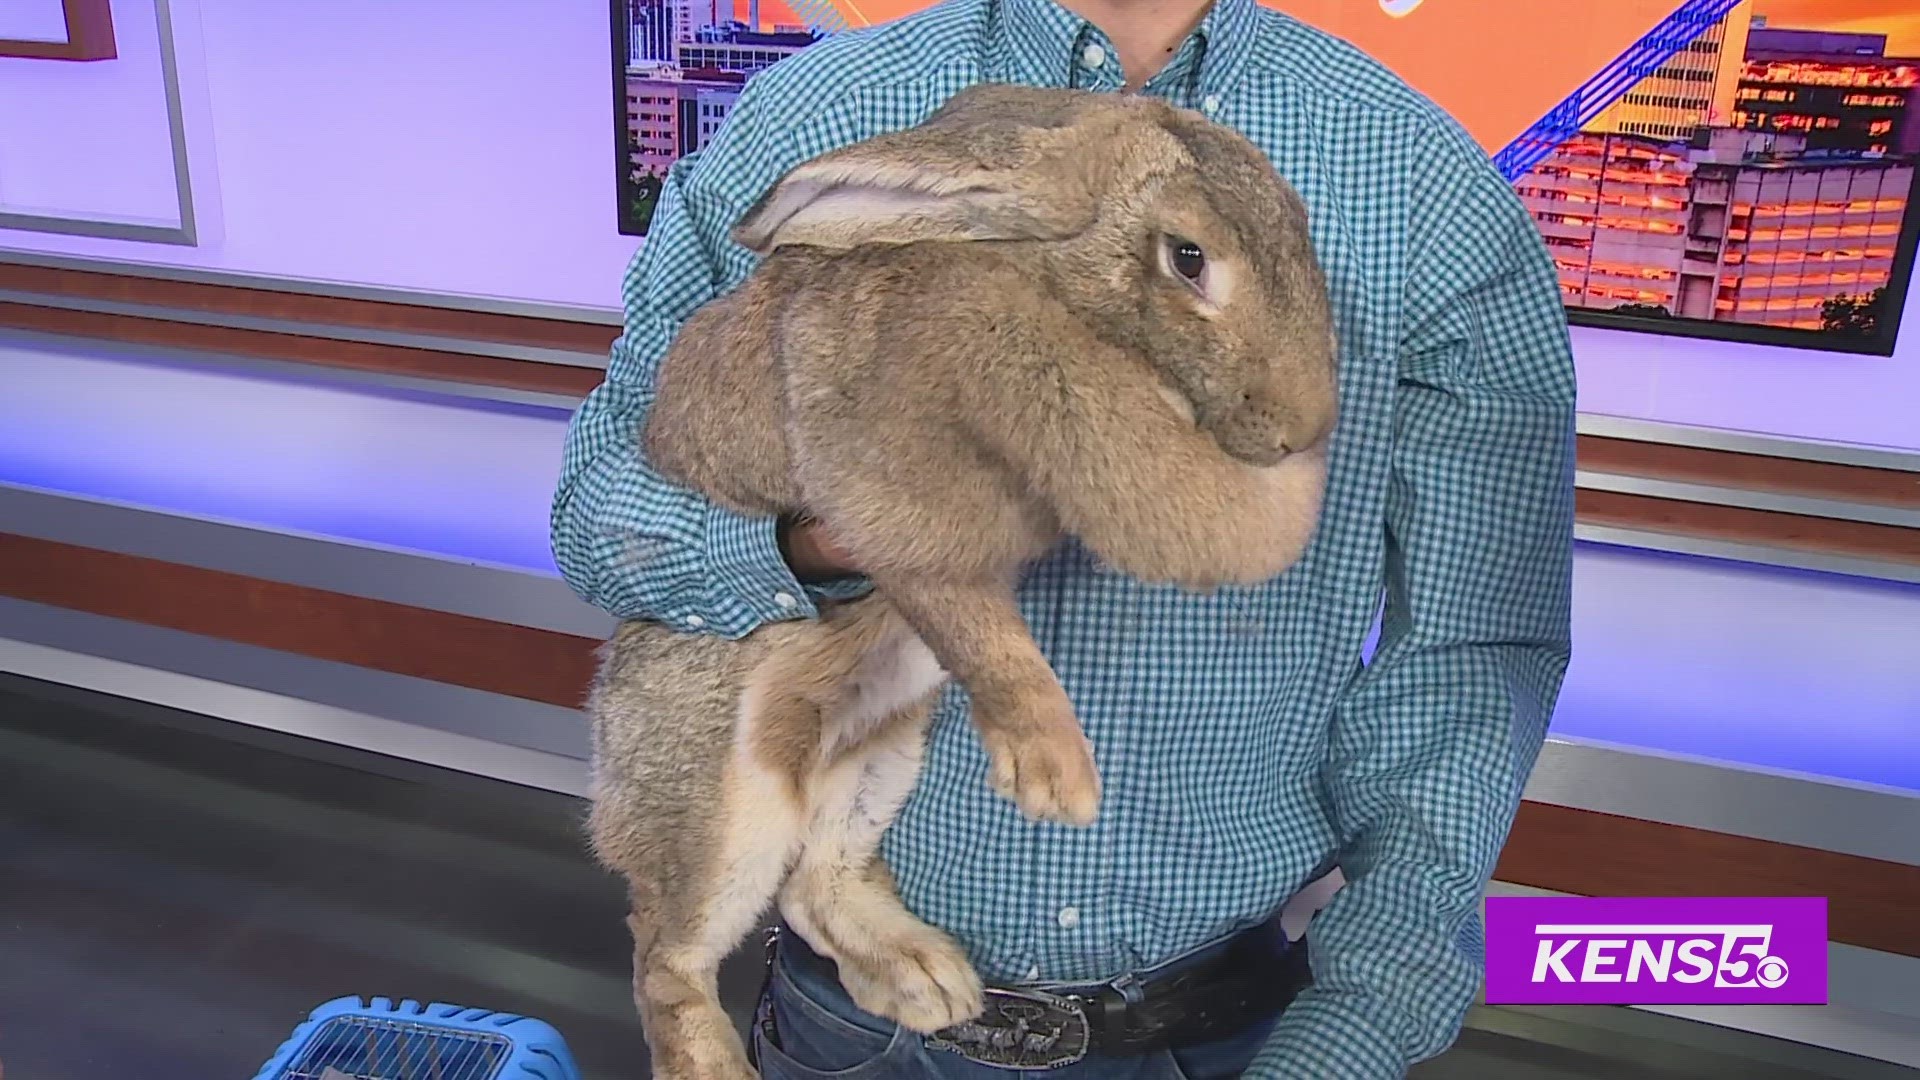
<point x="1772" y="972"/>
<point x="1400" y="8"/>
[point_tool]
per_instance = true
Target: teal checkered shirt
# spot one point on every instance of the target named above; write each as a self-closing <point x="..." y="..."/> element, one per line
<point x="1246" y="740"/>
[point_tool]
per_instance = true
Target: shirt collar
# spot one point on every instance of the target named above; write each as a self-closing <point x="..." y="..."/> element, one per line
<point x="1041" y="43"/>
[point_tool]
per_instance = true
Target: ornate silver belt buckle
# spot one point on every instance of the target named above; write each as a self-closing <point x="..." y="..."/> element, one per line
<point x="1021" y="1029"/>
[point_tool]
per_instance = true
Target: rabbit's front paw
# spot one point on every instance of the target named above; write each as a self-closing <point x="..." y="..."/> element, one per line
<point x="1041" y="759"/>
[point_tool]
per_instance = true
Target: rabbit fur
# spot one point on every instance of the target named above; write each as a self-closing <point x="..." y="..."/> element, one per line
<point x="965" y="341"/>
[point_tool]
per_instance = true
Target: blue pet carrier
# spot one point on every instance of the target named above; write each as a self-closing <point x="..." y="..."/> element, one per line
<point x="354" y="1039"/>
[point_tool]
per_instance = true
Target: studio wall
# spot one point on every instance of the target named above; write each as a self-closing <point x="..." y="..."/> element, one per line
<point x="1872" y="401"/>
<point x="448" y="146"/>
<point x="467" y="147"/>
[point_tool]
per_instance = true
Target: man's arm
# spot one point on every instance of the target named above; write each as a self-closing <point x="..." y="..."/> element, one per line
<point x="1432" y="744"/>
<point x="624" y="538"/>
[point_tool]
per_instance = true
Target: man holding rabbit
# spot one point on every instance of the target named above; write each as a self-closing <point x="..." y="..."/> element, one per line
<point x="1244" y="747"/>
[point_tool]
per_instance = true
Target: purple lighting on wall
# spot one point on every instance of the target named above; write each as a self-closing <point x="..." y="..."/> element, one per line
<point x="450" y="477"/>
<point x="1806" y="673"/>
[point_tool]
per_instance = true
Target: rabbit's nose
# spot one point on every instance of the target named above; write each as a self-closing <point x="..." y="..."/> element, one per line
<point x="1255" y="434"/>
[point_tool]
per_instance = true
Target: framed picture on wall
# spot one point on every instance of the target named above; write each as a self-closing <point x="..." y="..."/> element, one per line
<point x="57" y="29"/>
<point x="1733" y="169"/>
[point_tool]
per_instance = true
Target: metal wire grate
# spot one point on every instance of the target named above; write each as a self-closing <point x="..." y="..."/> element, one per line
<point x="370" y="1048"/>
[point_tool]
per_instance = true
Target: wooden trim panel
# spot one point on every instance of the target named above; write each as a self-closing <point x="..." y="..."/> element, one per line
<point x="484" y="326"/>
<point x="1872" y="903"/>
<point x="324" y="352"/>
<point x="1759" y="472"/>
<point x="517" y="661"/>
<point x="1832" y="536"/>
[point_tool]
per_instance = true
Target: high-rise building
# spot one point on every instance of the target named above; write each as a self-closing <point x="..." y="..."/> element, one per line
<point x="712" y="103"/>
<point x="651" y="32"/>
<point x="692" y="16"/>
<point x="1739" y="226"/>
<point x="1839" y="90"/>
<point x="736" y="49"/>
<point x="1806" y="232"/>
<point x="653" y="123"/>
<point x="686" y="73"/>
<point x="1694" y="88"/>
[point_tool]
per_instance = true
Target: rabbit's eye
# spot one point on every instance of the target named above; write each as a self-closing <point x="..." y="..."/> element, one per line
<point x="1188" y="260"/>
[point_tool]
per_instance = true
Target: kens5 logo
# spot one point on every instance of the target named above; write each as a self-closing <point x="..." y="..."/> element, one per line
<point x="1648" y="951"/>
<point x="1623" y="952"/>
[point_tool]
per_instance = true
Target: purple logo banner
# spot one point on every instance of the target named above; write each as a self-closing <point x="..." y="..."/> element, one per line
<point x="1602" y="950"/>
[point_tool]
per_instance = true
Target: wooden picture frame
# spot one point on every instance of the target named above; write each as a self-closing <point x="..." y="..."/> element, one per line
<point x="89" y="35"/>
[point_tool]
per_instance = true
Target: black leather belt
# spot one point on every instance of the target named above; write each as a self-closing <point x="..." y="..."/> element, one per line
<point x="1214" y="993"/>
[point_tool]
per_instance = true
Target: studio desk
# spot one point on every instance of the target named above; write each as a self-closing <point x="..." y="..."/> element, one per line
<point x="360" y="556"/>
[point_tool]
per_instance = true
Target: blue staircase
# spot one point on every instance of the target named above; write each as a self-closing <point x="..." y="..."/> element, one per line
<point x="1583" y="106"/>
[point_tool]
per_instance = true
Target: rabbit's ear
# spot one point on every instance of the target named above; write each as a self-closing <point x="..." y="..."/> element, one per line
<point x="995" y="163"/>
<point x="898" y="206"/>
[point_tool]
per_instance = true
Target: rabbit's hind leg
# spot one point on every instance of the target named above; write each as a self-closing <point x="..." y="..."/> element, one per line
<point x="841" y="896"/>
<point x="684" y="928"/>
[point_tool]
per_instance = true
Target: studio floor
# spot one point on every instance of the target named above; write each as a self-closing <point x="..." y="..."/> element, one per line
<point x="178" y="892"/>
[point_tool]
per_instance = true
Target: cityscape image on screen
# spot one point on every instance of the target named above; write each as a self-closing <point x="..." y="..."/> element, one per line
<point x="1759" y="177"/>
<point x="685" y="62"/>
<point x="1746" y="171"/>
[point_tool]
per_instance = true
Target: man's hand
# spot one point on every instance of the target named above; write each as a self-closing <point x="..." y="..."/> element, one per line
<point x="813" y="556"/>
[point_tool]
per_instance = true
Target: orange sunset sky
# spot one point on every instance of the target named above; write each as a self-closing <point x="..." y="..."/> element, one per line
<point x="772" y="13"/>
<point x="1897" y="19"/>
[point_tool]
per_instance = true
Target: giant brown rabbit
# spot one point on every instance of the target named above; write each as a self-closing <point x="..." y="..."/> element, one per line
<point x="1037" y="314"/>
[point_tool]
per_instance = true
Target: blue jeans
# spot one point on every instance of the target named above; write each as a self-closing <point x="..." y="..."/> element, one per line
<point x="807" y="1028"/>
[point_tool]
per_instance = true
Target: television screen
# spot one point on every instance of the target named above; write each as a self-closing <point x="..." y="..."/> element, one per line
<point x="1739" y="169"/>
<point x="679" y="66"/>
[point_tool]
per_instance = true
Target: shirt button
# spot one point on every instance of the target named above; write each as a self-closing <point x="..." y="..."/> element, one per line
<point x="1093" y="56"/>
<point x="1211" y="104"/>
<point x="784" y="599"/>
<point x="696" y="621"/>
<point x="1069" y="918"/>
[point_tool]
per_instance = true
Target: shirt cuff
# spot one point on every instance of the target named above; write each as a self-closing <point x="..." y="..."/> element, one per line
<point x="1317" y="1039"/>
<point x="751" y="576"/>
